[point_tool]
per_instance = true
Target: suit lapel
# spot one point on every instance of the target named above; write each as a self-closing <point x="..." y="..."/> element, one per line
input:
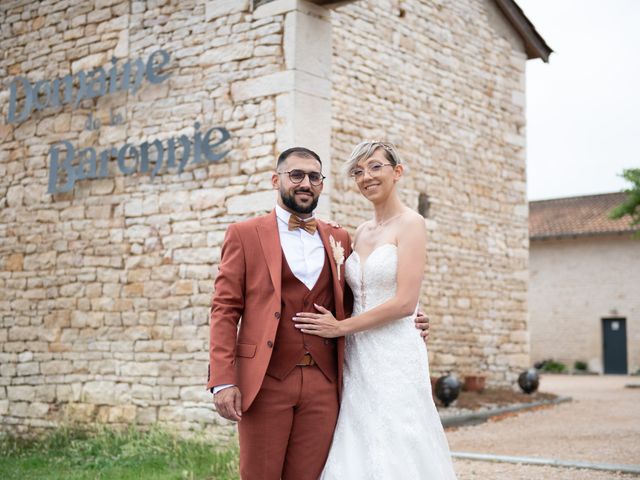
<point x="338" y="290"/>
<point x="271" y="249"/>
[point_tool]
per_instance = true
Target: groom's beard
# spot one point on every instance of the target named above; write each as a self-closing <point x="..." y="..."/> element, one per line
<point x="292" y="204"/>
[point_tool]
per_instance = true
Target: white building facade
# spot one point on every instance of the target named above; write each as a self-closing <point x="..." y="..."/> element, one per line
<point x="584" y="295"/>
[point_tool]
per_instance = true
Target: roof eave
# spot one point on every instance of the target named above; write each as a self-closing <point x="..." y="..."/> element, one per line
<point x="559" y="236"/>
<point x="535" y="46"/>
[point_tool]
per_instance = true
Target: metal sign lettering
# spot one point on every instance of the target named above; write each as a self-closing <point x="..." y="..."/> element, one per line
<point x="131" y="159"/>
<point x="68" y="165"/>
<point x="93" y="84"/>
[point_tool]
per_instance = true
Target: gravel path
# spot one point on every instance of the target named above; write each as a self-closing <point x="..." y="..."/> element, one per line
<point x="472" y="470"/>
<point x="602" y="424"/>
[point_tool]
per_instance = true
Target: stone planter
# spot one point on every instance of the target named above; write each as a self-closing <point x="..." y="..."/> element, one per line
<point x="474" y="383"/>
<point x="433" y="386"/>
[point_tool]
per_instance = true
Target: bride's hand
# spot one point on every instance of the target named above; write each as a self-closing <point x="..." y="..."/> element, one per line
<point x="322" y="324"/>
<point x="333" y="223"/>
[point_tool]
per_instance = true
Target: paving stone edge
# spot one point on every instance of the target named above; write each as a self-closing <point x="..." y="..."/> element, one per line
<point x="475" y="418"/>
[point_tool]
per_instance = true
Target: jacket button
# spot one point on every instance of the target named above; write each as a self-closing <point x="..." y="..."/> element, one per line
<point x="326" y="341"/>
<point x="277" y="315"/>
<point x="270" y="344"/>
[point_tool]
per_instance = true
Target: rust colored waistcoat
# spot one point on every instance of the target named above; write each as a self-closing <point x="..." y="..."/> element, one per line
<point x="290" y="344"/>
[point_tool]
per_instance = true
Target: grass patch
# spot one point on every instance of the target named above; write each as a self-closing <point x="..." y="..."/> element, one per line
<point x="75" y="453"/>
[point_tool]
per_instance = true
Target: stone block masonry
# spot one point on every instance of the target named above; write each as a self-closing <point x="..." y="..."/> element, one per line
<point x="444" y="82"/>
<point x="105" y="289"/>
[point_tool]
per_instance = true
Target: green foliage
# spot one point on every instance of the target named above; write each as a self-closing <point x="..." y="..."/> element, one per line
<point x="74" y="453"/>
<point x="552" y="366"/>
<point x="631" y="206"/>
<point x="580" y="365"/>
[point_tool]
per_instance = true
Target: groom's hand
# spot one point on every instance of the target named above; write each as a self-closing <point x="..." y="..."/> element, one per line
<point x="228" y="403"/>
<point x="422" y="323"/>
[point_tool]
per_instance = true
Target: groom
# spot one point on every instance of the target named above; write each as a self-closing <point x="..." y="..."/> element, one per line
<point x="280" y="385"/>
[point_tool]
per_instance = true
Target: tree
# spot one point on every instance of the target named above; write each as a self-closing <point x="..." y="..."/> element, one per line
<point x="631" y="206"/>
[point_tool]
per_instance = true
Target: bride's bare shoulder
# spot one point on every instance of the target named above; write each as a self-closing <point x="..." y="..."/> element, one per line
<point x="364" y="225"/>
<point x="359" y="230"/>
<point x="411" y="226"/>
<point x="412" y="219"/>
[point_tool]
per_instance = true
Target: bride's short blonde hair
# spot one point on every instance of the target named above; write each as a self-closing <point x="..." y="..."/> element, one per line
<point x="364" y="150"/>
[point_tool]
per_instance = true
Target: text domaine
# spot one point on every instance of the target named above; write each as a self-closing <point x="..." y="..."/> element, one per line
<point x="96" y="83"/>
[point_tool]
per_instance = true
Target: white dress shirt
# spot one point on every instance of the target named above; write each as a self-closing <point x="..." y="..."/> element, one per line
<point x="304" y="254"/>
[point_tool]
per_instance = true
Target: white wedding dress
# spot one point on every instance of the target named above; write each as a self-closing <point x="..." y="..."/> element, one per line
<point x="388" y="427"/>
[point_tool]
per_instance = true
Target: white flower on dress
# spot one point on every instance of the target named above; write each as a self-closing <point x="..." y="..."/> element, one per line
<point x="338" y="253"/>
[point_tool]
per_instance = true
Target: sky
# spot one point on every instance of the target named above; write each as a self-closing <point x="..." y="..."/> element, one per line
<point x="583" y="107"/>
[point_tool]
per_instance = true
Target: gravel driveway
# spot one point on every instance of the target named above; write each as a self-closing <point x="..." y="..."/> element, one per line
<point x="600" y="425"/>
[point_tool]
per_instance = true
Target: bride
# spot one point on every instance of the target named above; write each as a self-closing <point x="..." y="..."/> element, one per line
<point x="388" y="427"/>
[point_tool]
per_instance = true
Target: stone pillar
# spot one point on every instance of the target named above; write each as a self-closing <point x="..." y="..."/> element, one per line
<point x="303" y="89"/>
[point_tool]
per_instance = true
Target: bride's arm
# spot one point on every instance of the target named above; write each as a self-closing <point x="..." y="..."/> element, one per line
<point x="411" y="261"/>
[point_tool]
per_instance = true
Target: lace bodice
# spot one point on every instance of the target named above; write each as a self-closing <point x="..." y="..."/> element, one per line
<point x="373" y="281"/>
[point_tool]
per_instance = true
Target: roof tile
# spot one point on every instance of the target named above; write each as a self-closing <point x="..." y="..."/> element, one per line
<point x="576" y="216"/>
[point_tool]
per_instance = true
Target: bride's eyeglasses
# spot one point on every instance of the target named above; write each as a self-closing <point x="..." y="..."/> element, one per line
<point x="297" y="176"/>
<point x="372" y="169"/>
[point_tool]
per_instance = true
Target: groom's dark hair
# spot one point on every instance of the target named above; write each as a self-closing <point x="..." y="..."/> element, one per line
<point x="300" y="152"/>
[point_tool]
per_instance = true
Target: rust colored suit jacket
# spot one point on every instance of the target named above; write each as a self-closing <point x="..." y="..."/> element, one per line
<point x="246" y="305"/>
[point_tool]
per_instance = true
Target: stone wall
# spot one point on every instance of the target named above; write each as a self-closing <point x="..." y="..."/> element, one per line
<point x="575" y="283"/>
<point x="444" y="81"/>
<point x="106" y="289"/>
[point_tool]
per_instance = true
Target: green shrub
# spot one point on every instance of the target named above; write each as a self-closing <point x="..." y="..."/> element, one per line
<point x="552" y="366"/>
<point x="580" y="365"/>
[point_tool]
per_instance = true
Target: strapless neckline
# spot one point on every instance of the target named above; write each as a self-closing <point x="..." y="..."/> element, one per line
<point x="362" y="264"/>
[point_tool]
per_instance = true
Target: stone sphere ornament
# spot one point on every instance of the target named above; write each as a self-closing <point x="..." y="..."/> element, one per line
<point x="529" y="381"/>
<point x="448" y="388"/>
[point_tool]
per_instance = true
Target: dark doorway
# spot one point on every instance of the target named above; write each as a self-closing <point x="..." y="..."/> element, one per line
<point x="614" y="345"/>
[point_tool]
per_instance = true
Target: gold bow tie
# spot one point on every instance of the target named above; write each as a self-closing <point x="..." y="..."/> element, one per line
<point x="309" y="226"/>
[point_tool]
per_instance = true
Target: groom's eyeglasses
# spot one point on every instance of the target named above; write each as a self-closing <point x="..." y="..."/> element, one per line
<point x="297" y="176"/>
<point x="372" y="169"/>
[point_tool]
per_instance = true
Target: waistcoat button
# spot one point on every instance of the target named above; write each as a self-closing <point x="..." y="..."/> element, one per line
<point x="270" y="344"/>
<point x="277" y="315"/>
